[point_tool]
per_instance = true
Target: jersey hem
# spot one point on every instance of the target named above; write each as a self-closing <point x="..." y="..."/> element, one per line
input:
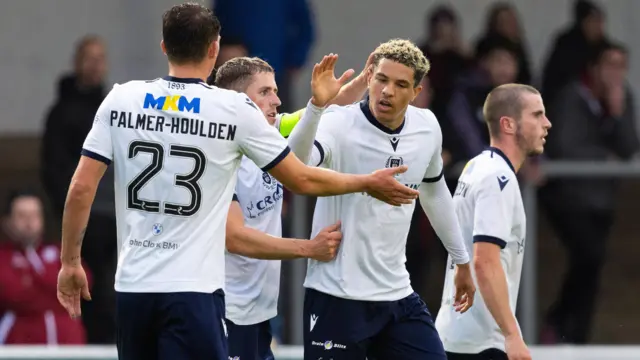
<point x="166" y="287"/>
<point x="320" y="151"/>
<point x="457" y="348"/>
<point x="490" y="239"/>
<point x="95" y="156"/>
<point x="396" y="295"/>
<point x="434" y="179"/>
<point x="277" y="160"/>
<point x="246" y="321"/>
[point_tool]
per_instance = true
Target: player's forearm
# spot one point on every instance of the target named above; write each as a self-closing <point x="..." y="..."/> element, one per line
<point x="493" y="287"/>
<point x="303" y="135"/>
<point x="323" y="182"/>
<point x="255" y="244"/>
<point x="437" y="204"/>
<point x="351" y="92"/>
<point x="74" y="222"/>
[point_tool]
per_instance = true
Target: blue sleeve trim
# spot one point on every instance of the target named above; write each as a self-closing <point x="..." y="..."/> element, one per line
<point x="277" y="160"/>
<point x="235" y="198"/>
<point x="320" y="150"/>
<point x="94" y="156"/>
<point x="490" y="239"/>
<point x="434" y="179"/>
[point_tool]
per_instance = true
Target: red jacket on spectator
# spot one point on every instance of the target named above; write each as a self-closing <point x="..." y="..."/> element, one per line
<point x="29" y="308"/>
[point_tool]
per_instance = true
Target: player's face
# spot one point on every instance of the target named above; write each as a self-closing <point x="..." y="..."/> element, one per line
<point x="91" y="65"/>
<point x="391" y="89"/>
<point x="533" y="126"/>
<point x="264" y="92"/>
<point x="26" y="221"/>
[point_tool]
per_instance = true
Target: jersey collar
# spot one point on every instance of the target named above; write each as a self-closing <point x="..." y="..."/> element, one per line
<point x="364" y="106"/>
<point x="495" y="150"/>
<point x="182" y="80"/>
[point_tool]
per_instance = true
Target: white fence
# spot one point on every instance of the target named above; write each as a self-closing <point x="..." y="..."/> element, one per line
<point x="295" y="353"/>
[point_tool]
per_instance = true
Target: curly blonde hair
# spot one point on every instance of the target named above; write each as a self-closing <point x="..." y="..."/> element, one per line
<point x="406" y="53"/>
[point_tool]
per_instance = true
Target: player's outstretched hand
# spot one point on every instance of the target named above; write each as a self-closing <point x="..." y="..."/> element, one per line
<point x="465" y="289"/>
<point x="385" y="187"/>
<point x="516" y="348"/>
<point x="324" y="247"/>
<point x="72" y="283"/>
<point x="324" y="85"/>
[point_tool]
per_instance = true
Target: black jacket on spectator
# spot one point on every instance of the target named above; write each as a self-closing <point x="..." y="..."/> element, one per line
<point x="66" y="128"/>
<point x="583" y="131"/>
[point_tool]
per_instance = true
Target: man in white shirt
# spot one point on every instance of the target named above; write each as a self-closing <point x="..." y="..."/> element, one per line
<point x="254" y="226"/>
<point x="176" y="144"/>
<point x="491" y="214"/>
<point x="361" y="305"/>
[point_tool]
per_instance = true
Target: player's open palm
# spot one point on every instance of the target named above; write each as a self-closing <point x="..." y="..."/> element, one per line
<point x="324" y="85"/>
<point x="72" y="284"/>
<point x="384" y="186"/>
<point x="516" y="348"/>
<point x="324" y="247"/>
<point x="465" y="289"/>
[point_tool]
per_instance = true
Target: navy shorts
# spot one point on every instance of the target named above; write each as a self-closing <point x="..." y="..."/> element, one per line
<point x="251" y="342"/>
<point x="489" y="354"/>
<point x="171" y="326"/>
<point x="336" y="328"/>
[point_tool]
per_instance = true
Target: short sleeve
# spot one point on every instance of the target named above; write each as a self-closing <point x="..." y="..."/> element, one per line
<point x="435" y="169"/>
<point x="259" y="141"/>
<point x="493" y="214"/>
<point x="326" y="142"/>
<point x="98" y="144"/>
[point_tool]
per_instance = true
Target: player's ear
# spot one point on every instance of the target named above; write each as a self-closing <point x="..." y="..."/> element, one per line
<point x="214" y="49"/>
<point x="164" y="48"/>
<point x="416" y="91"/>
<point x="508" y="125"/>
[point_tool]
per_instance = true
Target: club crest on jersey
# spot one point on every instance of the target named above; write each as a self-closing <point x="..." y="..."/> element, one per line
<point x="268" y="181"/>
<point x="394" y="161"/>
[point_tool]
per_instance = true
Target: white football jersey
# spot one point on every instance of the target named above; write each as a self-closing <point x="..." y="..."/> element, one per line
<point x="370" y="264"/>
<point x="490" y="209"/>
<point x="176" y="145"/>
<point x="253" y="285"/>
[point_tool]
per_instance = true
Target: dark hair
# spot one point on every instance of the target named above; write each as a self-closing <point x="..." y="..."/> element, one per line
<point x="494" y="43"/>
<point x="236" y="73"/>
<point x="504" y="100"/>
<point x="187" y="31"/>
<point x="582" y="9"/>
<point x="84" y="42"/>
<point x="598" y="50"/>
<point x="17" y="194"/>
<point x="494" y="12"/>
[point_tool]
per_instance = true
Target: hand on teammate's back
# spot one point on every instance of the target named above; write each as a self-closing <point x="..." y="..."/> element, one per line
<point x="385" y="187"/>
<point x="516" y="348"/>
<point x="72" y="283"/>
<point x="465" y="289"/>
<point x="324" y="85"/>
<point x="324" y="247"/>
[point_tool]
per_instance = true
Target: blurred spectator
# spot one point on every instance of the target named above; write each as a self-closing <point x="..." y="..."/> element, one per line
<point x="594" y="120"/>
<point x="497" y="64"/>
<point x="230" y="48"/>
<point x="280" y="32"/>
<point x="67" y="125"/>
<point x="29" y="308"/>
<point x="503" y="24"/>
<point x="447" y="53"/>
<point x="571" y="48"/>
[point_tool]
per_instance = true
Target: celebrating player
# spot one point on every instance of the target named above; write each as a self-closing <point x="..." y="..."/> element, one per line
<point x="362" y="304"/>
<point x="176" y="144"/>
<point x="491" y="214"/>
<point x="254" y="225"/>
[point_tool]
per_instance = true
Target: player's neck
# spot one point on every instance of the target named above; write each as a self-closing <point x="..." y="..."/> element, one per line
<point x="512" y="152"/>
<point x="189" y="71"/>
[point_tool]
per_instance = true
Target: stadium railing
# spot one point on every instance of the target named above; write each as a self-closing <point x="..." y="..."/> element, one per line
<point x="295" y="353"/>
<point x="527" y="302"/>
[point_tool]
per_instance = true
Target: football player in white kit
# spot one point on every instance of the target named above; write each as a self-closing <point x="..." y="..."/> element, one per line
<point x="254" y="225"/>
<point x="361" y="305"/>
<point x="176" y="144"/>
<point x="491" y="214"/>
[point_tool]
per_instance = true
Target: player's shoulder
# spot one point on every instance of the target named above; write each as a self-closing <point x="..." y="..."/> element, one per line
<point x="491" y="168"/>
<point x="422" y="117"/>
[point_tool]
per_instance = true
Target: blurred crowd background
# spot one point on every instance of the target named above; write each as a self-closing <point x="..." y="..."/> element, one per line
<point x="60" y="58"/>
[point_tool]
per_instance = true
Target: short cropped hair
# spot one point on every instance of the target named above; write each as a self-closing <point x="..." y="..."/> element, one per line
<point x="406" y="53"/>
<point x="187" y="31"/>
<point x="505" y="100"/>
<point x="236" y="73"/>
